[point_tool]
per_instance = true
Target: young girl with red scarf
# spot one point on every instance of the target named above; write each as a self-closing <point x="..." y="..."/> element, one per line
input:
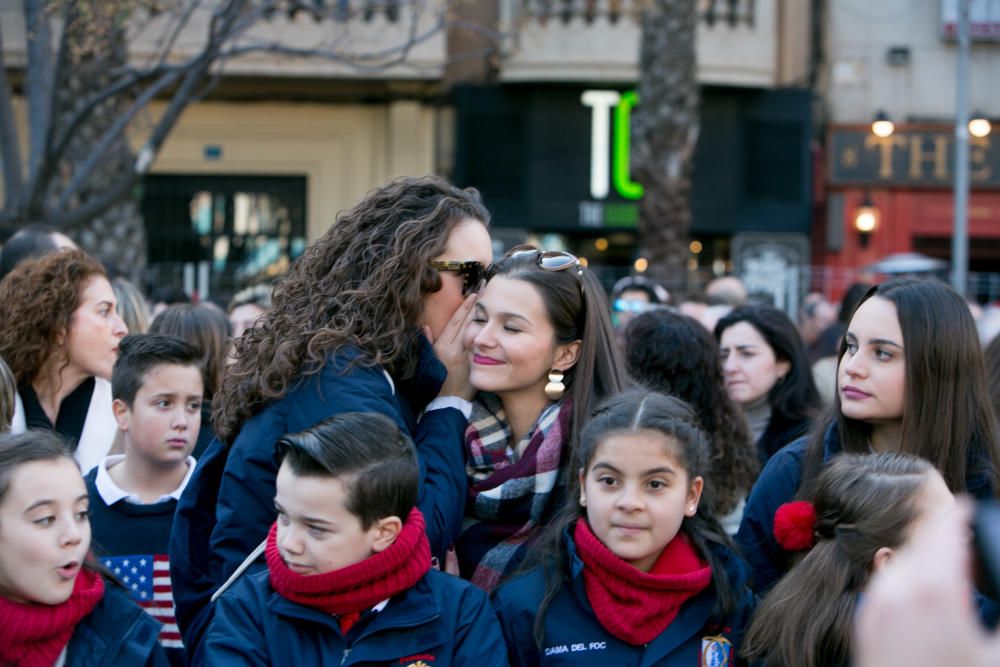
<point x="634" y="571"/>
<point x="55" y="607"/>
<point x="348" y="577"/>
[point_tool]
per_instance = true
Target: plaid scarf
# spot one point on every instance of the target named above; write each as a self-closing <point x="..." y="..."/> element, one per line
<point x="510" y="488"/>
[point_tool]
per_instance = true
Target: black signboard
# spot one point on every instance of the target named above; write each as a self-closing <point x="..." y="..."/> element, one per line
<point x="922" y="156"/>
<point x="539" y="156"/>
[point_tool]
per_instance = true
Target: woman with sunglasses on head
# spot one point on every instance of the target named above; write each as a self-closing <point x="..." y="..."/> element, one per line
<point x="542" y="354"/>
<point x="369" y="319"/>
<point x="911" y="379"/>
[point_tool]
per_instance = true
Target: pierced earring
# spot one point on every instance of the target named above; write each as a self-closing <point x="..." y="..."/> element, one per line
<point x="555" y="388"/>
<point x="583" y="501"/>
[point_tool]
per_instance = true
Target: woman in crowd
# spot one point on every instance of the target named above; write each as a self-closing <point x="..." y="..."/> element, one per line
<point x="767" y="372"/>
<point x="59" y="333"/>
<point x="247" y="307"/>
<point x="674" y="354"/>
<point x="56" y="605"/>
<point x="207" y="328"/>
<point x="865" y="508"/>
<point x="542" y="353"/>
<point x="351" y="329"/>
<point x="911" y="379"/>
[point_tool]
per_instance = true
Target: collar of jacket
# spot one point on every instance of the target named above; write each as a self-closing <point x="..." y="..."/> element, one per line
<point x="831" y="442"/>
<point x="694" y="614"/>
<point x="415" y="608"/>
<point x="116" y="629"/>
<point x="426" y="382"/>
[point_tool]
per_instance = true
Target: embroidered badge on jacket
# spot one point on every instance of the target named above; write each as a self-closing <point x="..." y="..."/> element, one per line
<point x="716" y="651"/>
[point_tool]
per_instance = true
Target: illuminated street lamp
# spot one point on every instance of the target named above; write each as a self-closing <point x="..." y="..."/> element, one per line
<point x="866" y="219"/>
<point x="979" y="125"/>
<point x="882" y="126"/>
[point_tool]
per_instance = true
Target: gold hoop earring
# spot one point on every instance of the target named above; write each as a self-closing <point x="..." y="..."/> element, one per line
<point x="555" y="388"/>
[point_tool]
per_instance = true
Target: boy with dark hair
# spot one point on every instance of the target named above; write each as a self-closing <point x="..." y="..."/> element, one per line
<point x="157" y="389"/>
<point x="349" y="578"/>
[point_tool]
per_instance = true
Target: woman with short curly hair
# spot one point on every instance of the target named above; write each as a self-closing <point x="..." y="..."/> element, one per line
<point x="674" y="354"/>
<point x="59" y="333"/>
<point x="351" y="329"/>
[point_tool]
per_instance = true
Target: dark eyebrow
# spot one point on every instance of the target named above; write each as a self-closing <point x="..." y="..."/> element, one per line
<point x="874" y="341"/>
<point x="39" y="503"/>
<point x="662" y="470"/>
<point x="884" y="341"/>
<point x="481" y="307"/>
<point x="307" y="519"/>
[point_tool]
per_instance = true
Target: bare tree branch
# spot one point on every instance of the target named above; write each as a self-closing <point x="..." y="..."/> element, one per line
<point x="60" y="218"/>
<point x="113" y="134"/>
<point x="40" y="80"/>
<point x="10" y="150"/>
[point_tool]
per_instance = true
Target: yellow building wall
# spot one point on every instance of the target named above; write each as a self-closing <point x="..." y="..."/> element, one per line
<point x="342" y="150"/>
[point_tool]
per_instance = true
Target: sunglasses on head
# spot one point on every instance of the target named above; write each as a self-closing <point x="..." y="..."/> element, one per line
<point x="473" y="273"/>
<point x="548" y="260"/>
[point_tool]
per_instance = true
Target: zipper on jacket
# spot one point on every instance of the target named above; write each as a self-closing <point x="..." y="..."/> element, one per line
<point x="347" y="652"/>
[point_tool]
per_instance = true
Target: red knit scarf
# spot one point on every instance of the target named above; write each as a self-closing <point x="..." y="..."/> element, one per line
<point x="33" y="635"/>
<point x="637" y="606"/>
<point x="351" y="590"/>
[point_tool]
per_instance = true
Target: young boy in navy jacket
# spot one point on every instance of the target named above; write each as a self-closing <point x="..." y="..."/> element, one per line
<point x="349" y="578"/>
<point x="157" y="388"/>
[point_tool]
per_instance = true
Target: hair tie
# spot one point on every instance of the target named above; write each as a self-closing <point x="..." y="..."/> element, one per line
<point x="795" y="525"/>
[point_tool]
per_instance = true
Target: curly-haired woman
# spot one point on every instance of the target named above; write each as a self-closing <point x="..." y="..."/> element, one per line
<point x="676" y="355"/>
<point x="59" y="333"/>
<point x="351" y="329"/>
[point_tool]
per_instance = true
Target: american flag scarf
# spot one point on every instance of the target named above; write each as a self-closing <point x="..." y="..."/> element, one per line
<point x="510" y="488"/>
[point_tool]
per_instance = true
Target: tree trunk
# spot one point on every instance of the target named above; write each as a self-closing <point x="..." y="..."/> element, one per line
<point x="665" y="131"/>
<point x="117" y="237"/>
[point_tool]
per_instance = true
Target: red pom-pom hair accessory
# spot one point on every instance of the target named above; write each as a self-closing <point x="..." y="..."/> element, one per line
<point x="795" y="525"/>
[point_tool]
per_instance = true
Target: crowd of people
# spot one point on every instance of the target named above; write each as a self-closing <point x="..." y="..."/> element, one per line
<point x="410" y="452"/>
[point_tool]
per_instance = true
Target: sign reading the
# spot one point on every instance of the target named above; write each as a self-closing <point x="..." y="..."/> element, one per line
<point x="912" y="158"/>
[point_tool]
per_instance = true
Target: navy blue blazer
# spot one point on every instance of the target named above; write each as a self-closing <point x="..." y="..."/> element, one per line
<point x="441" y="621"/>
<point x="574" y="636"/>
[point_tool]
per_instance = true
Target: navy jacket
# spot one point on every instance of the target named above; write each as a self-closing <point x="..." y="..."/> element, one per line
<point x="228" y="506"/>
<point x="441" y="621"/>
<point x="116" y="633"/>
<point x="778" y="484"/>
<point x="574" y="636"/>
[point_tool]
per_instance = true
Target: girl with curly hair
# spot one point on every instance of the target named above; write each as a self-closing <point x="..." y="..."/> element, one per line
<point x="59" y="333"/>
<point x="542" y="354"/>
<point x="674" y="354"/>
<point x="368" y="319"/>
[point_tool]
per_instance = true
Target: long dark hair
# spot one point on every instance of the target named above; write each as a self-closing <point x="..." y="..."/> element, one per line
<point x="576" y="306"/>
<point x="863" y="503"/>
<point x="362" y="283"/>
<point x="674" y="354"/>
<point x="947" y="416"/>
<point x="992" y="358"/>
<point x="796" y="397"/>
<point x="632" y="412"/>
